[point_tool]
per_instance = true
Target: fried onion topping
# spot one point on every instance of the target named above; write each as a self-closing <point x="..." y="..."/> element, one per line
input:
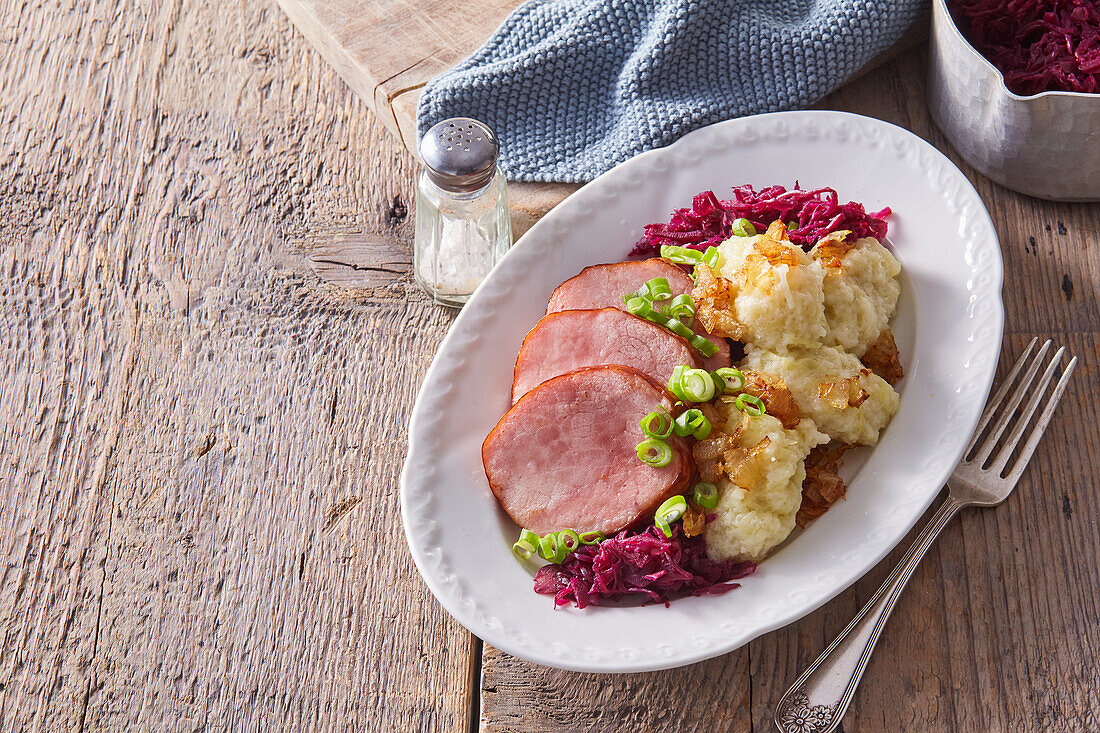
<point x="883" y="359"/>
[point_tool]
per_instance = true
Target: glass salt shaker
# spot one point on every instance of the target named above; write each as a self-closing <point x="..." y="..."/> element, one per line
<point x="462" y="222"/>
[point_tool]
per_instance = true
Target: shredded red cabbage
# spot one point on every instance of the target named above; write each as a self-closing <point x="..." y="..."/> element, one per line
<point x="1039" y="45"/>
<point x="642" y="564"/>
<point x="816" y="213"/>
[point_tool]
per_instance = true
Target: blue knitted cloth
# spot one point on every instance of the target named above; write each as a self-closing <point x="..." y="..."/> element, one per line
<point x="573" y="87"/>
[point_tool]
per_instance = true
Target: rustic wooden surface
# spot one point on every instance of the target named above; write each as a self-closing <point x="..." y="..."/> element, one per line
<point x="210" y="342"/>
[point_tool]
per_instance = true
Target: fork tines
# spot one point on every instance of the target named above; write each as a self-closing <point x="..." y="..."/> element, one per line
<point x="1008" y="408"/>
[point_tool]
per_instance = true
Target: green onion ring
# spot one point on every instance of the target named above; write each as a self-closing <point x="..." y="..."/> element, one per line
<point x="639" y="306"/>
<point x="654" y="452"/>
<point x="706" y="495"/>
<point x="682" y="308"/>
<point x="569" y="540"/>
<point x="550" y="548"/>
<point x="678" y="328"/>
<point x="704" y="346"/>
<point x="672" y="509"/>
<point x="712" y="257"/>
<point x="527" y="544"/>
<point x="663" y="427"/>
<point x="743" y="228"/>
<point x="734" y="378"/>
<point x="719" y="383"/>
<point x="697" y="385"/>
<point x="591" y="538"/>
<point x="659" y="289"/>
<point x="750" y="404"/>
<point x="680" y="255"/>
<point x="663" y="526"/>
<point x="692" y="422"/>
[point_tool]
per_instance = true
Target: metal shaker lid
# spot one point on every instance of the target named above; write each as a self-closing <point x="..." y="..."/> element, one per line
<point x="460" y="154"/>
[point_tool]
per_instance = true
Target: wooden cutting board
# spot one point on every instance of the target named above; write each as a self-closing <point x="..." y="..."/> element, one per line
<point x="387" y="50"/>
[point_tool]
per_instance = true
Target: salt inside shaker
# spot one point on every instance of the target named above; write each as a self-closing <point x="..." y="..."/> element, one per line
<point x="462" y="221"/>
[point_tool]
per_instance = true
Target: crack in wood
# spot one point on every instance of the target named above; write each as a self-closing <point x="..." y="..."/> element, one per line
<point x="339" y="510"/>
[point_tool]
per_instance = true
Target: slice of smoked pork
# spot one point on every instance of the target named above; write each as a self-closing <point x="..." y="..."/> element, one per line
<point x="603" y="286"/>
<point x="568" y="340"/>
<point x="565" y="455"/>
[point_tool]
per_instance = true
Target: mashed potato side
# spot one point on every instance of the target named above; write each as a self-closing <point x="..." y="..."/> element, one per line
<point x="809" y="373"/>
<point x="779" y="305"/>
<point x="861" y="292"/>
<point x="752" y="520"/>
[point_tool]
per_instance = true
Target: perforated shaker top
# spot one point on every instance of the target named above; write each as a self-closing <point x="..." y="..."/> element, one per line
<point x="460" y="154"/>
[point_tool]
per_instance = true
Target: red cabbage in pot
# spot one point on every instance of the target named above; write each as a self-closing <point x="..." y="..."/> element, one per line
<point x="1039" y="45"/>
<point x="642" y="564"/>
<point x="816" y="213"/>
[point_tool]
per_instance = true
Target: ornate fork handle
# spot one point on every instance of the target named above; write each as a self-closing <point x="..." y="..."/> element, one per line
<point x="818" y="699"/>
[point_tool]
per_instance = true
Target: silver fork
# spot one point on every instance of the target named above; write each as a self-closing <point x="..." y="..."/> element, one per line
<point x="818" y="699"/>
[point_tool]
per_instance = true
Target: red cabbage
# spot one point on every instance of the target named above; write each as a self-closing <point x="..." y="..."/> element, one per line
<point x="1039" y="45"/>
<point x="642" y="564"/>
<point x="816" y="213"/>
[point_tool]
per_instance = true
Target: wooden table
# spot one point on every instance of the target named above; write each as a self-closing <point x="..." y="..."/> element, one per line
<point x="210" y="344"/>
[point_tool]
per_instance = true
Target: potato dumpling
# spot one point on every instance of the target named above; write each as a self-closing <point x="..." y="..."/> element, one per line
<point x="860" y="287"/>
<point x="775" y="291"/>
<point x="846" y="401"/>
<point x="757" y="506"/>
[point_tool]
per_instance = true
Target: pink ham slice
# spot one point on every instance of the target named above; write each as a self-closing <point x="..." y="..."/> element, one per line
<point x="568" y="340"/>
<point x="603" y="286"/>
<point x="565" y="457"/>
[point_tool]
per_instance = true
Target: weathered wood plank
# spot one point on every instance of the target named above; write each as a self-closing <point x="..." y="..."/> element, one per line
<point x="998" y="629"/>
<point x="202" y="438"/>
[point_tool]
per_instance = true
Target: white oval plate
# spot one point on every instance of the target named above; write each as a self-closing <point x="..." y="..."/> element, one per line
<point x="949" y="327"/>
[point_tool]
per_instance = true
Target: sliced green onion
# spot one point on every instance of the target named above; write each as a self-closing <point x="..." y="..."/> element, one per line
<point x="712" y="257"/>
<point x="691" y="385"/>
<point x="704" y="346"/>
<point x="639" y="306"/>
<point x="659" y="288"/>
<point x="750" y="404"/>
<point x="672" y="509"/>
<point x="663" y="526"/>
<point x="591" y="538"/>
<point x="678" y="328"/>
<point x="527" y="544"/>
<point x="682" y="308"/>
<point x="743" y="228"/>
<point x="551" y="549"/>
<point x="791" y="225"/>
<point x="657" y="424"/>
<point x="680" y="255"/>
<point x="706" y="495"/>
<point x="692" y="422"/>
<point x="569" y="540"/>
<point x="734" y="378"/>
<point x="654" y="452"/>
<point x="657" y="317"/>
<point x="697" y="385"/>
<point x="719" y="383"/>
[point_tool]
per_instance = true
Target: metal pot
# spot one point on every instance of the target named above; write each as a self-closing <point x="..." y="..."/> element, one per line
<point x="1046" y="145"/>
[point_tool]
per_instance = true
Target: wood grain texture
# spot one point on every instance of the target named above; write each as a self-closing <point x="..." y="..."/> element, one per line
<point x="201" y="437"/>
<point x="999" y="629"/>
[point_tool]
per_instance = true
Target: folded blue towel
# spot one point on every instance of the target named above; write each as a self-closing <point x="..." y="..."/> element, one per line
<point x="573" y="87"/>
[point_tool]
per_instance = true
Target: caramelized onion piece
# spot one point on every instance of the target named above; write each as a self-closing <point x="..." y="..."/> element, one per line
<point x="777" y="399"/>
<point x="713" y="308"/>
<point x="832" y="248"/>
<point x="844" y="393"/>
<point x="744" y="466"/>
<point x="823" y="485"/>
<point x="710" y="453"/>
<point x="883" y="359"/>
<point x="694" y="521"/>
